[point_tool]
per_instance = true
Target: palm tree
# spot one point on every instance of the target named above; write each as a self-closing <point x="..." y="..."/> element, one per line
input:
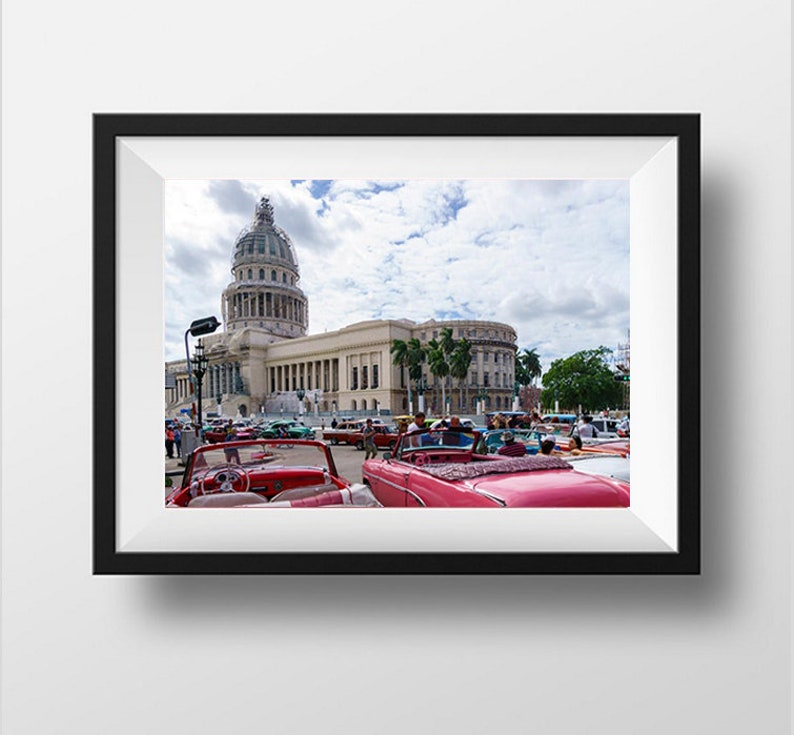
<point x="399" y="350"/>
<point x="415" y="356"/>
<point x="528" y="367"/>
<point x="439" y="367"/>
<point x="448" y="344"/>
<point x="459" y="363"/>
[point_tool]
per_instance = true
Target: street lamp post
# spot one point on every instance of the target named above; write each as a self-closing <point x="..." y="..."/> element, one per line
<point x="199" y="369"/>
<point x="301" y="394"/>
<point x="316" y="406"/>
<point x="197" y="328"/>
<point x="483" y="395"/>
<point x="421" y="387"/>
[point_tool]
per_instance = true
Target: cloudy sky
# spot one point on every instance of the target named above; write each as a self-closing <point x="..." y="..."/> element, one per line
<point x="550" y="258"/>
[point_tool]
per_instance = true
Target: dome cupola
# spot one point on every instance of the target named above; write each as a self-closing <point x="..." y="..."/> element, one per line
<point x="264" y="292"/>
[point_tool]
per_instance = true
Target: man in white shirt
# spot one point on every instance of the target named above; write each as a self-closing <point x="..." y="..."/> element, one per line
<point x="418" y="422"/>
<point x="587" y="430"/>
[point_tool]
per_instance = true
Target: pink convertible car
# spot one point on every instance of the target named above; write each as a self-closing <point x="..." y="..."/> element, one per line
<point x="445" y="469"/>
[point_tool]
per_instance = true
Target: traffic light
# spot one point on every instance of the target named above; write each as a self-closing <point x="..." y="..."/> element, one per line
<point x="621" y="377"/>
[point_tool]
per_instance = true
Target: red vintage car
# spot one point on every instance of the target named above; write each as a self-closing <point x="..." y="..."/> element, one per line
<point x="441" y="469"/>
<point x="218" y="433"/>
<point x="385" y="437"/>
<point x="343" y="432"/>
<point x="265" y="473"/>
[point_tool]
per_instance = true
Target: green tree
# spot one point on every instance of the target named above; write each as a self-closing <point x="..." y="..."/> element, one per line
<point x="448" y="344"/>
<point x="439" y="367"/>
<point x="399" y="351"/>
<point x="459" y="362"/>
<point x="528" y="367"/>
<point x="416" y="355"/>
<point x="585" y="379"/>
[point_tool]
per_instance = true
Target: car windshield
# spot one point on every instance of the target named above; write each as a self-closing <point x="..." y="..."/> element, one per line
<point x="437" y="438"/>
<point x="267" y="454"/>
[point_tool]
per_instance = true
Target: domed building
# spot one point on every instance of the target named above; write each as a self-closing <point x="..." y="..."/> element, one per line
<point x="264" y="362"/>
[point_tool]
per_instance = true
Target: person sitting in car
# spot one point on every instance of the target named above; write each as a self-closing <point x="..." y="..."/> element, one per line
<point x="511" y="448"/>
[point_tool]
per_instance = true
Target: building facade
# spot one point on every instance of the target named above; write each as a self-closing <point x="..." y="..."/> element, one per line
<point x="264" y="359"/>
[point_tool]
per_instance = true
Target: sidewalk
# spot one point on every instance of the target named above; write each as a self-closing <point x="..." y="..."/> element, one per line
<point x="173" y="466"/>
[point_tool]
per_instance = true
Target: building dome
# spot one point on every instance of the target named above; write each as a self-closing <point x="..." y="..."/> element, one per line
<point x="264" y="293"/>
<point x="263" y="241"/>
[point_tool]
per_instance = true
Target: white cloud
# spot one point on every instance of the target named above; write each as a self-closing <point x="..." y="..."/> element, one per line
<point x="551" y="258"/>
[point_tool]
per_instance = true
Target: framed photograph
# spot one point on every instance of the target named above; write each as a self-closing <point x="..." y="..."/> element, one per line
<point x="261" y="279"/>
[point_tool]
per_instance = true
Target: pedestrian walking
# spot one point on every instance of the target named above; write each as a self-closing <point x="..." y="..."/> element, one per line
<point x="369" y="432"/>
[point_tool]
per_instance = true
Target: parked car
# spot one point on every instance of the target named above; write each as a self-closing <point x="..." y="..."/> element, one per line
<point x="343" y="432"/>
<point x="217" y="433"/>
<point x="265" y="473"/>
<point x="439" y="468"/>
<point x="293" y="429"/>
<point x="605" y="428"/>
<point x="606" y="465"/>
<point x="385" y="437"/>
<point x="559" y="422"/>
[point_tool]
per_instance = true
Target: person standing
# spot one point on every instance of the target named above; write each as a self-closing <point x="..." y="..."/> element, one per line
<point x="587" y="430"/>
<point x="169" y="442"/>
<point x="178" y="440"/>
<point x="418" y="422"/>
<point x="369" y="440"/>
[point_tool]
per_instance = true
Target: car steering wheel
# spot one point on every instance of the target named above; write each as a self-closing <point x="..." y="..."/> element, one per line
<point x="223" y="478"/>
<point x="420" y="459"/>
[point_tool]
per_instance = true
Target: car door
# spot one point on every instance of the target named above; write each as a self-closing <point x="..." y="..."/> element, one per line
<point x="390" y="484"/>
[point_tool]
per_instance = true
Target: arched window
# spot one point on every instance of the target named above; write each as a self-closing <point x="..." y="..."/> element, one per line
<point x="353" y="406"/>
<point x="272" y="275"/>
<point x="363" y="405"/>
<point x="261" y="246"/>
<point x="250" y="274"/>
<point x="283" y="277"/>
<point x="281" y="249"/>
<point x="261" y="274"/>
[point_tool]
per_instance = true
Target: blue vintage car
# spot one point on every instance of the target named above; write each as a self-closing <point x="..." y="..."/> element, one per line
<point x="493" y="439"/>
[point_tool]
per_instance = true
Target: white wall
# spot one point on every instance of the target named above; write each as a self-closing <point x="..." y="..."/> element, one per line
<point x="381" y="655"/>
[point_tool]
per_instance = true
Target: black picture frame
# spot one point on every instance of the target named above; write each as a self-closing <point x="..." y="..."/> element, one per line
<point x="108" y="129"/>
